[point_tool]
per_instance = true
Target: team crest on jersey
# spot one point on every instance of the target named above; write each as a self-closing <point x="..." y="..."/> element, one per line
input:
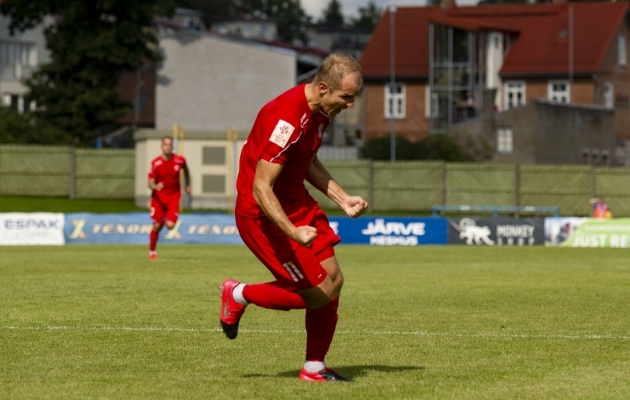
<point x="282" y="133"/>
<point x="176" y="167"/>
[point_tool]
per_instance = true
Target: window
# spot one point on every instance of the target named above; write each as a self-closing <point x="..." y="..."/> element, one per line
<point x="17" y="103"/>
<point x="17" y="53"/>
<point x="395" y="101"/>
<point x="621" y="43"/>
<point x="431" y="103"/>
<point x="504" y="140"/>
<point x="514" y="94"/>
<point x="559" y="91"/>
<point x="608" y="95"/>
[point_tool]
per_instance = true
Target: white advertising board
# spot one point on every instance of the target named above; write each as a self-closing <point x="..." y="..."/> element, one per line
<point x="31" y="229"/>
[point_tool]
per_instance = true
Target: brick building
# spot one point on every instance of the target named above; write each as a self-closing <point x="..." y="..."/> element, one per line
<point x="447" y="58"/>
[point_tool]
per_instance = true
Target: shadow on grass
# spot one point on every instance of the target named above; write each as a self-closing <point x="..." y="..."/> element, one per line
<point x="349" y="371"/>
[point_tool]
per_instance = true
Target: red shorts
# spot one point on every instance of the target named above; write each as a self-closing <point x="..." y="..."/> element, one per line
<point x="295" y="267"/>
<point x="162" y="210"/>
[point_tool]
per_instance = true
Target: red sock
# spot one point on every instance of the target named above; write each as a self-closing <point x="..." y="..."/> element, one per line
<point x="273" y="296"/>
<point x="320" y="329"/>
<point x="153" y="236"/>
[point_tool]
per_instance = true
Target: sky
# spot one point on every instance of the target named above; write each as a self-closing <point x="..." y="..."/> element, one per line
<point x="349" y="7"/>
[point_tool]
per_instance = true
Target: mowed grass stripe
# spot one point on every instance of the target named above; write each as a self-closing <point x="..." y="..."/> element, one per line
<point x="338" y="332"/>
<point x="425" y="322"/>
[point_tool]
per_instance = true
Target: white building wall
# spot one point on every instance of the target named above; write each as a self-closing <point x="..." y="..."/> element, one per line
<point x="494" y="61"/>
<point x="211" y="83"/>
<point x="11" y="74"/>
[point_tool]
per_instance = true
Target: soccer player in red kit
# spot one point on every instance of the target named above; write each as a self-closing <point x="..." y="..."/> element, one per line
<point x="281" y="223"/>
<point x="165" y="186"/>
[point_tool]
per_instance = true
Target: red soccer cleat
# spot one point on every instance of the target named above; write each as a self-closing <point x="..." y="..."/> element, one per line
<point x="231" y="311"/>
<point x="153" y="255"/>
<point x="325" y="375"/>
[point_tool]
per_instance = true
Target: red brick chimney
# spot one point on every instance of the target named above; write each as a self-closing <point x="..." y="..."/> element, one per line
<point x="448" y="4"/>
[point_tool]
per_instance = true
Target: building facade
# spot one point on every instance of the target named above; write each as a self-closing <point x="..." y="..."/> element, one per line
<point x="447" y="58"/>
<point x="20" y="56"/>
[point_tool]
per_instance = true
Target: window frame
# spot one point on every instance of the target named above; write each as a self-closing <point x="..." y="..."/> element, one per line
<point x="550" y="91"/>
<point x="395" y="96"/>
<point x="608" y="97"/>
<point x="507" y="91"/>
<point x="622" y="53"/>
<point x="505" y="142"/>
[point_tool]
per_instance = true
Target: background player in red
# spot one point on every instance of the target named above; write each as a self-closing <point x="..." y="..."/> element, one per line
<point x="164" y="182"/>
<point x="281" y="223"/>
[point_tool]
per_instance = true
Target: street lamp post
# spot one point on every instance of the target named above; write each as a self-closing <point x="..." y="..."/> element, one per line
<point x="392" y="59"/>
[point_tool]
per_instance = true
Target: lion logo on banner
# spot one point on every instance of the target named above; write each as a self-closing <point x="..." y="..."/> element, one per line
<point x="469" y="230"/>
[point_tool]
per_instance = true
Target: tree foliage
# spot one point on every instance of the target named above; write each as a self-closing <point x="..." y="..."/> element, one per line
<point x="368" y="16"/>
<point x="332" y="14"/>
<point x="18" y="128"/>
<point x="90" y="43"/>
<point x="434" y="147"/>
<point x="288" y="14"/>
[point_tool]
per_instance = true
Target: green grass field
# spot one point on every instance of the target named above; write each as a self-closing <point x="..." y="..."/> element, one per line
<point x="424" y="322"/>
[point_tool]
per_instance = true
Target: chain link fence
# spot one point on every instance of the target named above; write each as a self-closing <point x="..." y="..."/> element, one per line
<point x="67" y="172"/>
<point x="401" y="186"/>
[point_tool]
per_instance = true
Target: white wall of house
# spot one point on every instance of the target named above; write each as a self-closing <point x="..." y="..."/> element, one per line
<point x="20" y="56"/>
<point x="494" y="61"/>
<point x="212" y="83"/>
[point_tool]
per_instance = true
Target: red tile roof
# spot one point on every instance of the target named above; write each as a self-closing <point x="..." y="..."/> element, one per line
<point x="541" y="47"/>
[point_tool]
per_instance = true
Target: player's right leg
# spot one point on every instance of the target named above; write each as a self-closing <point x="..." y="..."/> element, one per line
<point x="157" y="215"/>
<point x="286" y="261"/>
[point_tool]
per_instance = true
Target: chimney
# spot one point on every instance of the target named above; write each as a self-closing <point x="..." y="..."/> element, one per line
<point x="448" y="4"/>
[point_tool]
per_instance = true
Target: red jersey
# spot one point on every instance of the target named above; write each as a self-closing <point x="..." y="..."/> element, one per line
<point x="167" y="172"/>
<point x="286" y="132"/>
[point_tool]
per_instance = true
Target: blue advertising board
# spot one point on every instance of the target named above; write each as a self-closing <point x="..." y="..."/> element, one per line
<point x="390" y="231"/>
<point x="134" y="228"/>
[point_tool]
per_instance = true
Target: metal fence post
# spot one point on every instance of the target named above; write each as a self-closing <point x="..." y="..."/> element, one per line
<point x="73" y="173"/>
<point x="370" y="185"/>
<point x="593" y="186"/>
<point x="443" y="185"/>
<point x="517" y="188"/>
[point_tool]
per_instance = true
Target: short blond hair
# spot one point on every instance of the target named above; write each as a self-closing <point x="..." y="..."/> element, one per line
<point x="334" y="68"/>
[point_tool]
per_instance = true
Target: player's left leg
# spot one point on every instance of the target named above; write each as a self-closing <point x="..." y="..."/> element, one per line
<point x="320" y="326"/>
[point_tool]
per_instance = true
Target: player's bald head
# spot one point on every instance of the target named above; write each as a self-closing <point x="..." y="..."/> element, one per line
<point x="336" y="67"/>
<point x="165" y="138"/>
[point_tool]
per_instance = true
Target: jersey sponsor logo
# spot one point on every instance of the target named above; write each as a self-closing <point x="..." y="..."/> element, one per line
<point x="282" y="133"/>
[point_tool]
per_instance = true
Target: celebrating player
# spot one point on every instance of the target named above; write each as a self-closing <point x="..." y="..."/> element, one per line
<point x="164" y="182"/>
<point x="281" y="223"/>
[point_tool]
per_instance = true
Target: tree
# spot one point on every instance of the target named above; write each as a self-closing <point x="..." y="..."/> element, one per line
<point x="91" y="43"/>
<point x="288" y="14"/>
<point x="368" y="16"/>
<point x="332" y="13"/>
<point x="18" y="128"/>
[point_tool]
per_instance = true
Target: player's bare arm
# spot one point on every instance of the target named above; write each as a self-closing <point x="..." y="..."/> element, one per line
<point x="155" y="186"/>
<point x="264" y="178"/>
<point x="318" y="176"/>
<point x="187" y="177"/>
